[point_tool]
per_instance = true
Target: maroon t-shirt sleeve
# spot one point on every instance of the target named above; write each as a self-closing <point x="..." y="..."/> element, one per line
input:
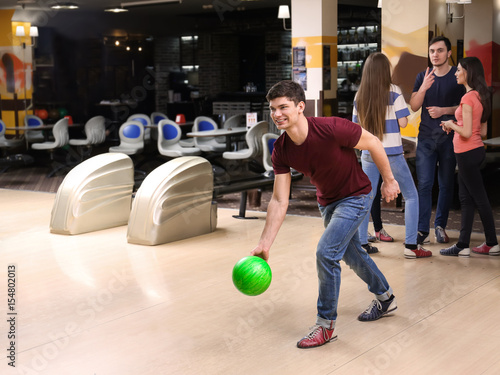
<point x="278" y="165"/>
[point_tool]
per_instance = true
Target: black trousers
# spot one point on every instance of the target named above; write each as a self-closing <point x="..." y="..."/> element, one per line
<point x="376" y="210"/>
<point x="473" y="195"/>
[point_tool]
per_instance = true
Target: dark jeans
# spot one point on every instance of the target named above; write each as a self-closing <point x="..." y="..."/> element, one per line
<point x="376" y="211"/>
<point x="432" y="152"/>
<point x="473" y="194"/>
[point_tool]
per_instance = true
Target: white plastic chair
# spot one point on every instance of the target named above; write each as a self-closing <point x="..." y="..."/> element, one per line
<point x="235" y="121"/>
<point x="131" y="135"/>
<point x="156" y="117"/>
<point x="253" y="139"/>
<point x="95" y="132"/>
<point x="169" y="135"/>
<point x="203" y="123"/>
<point x="61" y="139"/>
<point x="8" y="143"/>
<point x="268" y="140"/>
<point x="34" y="122"/>
<point x="145" y="120"/>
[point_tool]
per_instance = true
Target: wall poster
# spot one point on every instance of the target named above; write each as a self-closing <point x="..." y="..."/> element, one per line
<point x="299" y="57"/>
<point x="300" y="76"/>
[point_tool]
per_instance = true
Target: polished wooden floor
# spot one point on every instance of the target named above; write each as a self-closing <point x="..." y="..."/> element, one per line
<point x="94" y="304"/>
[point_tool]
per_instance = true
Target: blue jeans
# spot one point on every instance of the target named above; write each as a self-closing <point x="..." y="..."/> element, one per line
<point x="432" y="152"/>
<point x="340" y="240"/>
<point x="403" y="176"/>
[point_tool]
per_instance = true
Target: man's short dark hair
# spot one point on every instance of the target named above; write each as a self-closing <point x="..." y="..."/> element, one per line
<point x="288" y="89"/>
<point x="441" y="39"/>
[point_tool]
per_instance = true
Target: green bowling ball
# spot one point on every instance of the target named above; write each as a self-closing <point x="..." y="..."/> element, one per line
<point x="63" y="112"/>
<point x="252" y="275"/>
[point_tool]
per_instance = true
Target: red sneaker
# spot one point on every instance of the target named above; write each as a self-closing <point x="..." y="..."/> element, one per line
<point x="383" y="236"/>
<point x="419" y="253"/>
<point x="318" y="336"/>
<point x="485" y="249"/>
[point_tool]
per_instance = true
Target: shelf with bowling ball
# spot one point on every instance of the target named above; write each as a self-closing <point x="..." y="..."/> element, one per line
<point x="53" y="114"/>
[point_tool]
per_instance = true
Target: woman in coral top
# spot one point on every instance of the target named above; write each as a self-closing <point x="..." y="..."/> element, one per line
<point x="471" y="115"/>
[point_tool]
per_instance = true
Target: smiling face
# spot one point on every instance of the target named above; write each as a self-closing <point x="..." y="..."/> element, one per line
<point x="285" y="113"/>
<point x="438" y="54"/>
<point x="461" y="75"/>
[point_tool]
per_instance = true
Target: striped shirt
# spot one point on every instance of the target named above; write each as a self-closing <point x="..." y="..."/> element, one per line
<point x="396" y="109"/>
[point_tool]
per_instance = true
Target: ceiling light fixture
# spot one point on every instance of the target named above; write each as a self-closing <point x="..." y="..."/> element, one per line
<point x="64" y="6"/>
<point x="116" y="10"/>
<point x="148" y="2"/>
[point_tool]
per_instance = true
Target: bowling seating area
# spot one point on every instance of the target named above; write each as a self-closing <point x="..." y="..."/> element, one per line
<point x="150" y="140"/>
<point x="87" y="163"/>
<point x="142" y="181"/>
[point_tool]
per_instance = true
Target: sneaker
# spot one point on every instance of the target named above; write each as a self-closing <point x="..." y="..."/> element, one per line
<point x="455" y="251"/>
<point x="371" y="238"/>
<point x="485" y="249"/>
<point x="370" y="249"/>
<point x="383" y="236"/>
<point x="419" y="253"/>
<point x="318" y="336"/>
<point x="441" y="235"/>
<point x="378" y="309"/>
<point x="422" y="238"/>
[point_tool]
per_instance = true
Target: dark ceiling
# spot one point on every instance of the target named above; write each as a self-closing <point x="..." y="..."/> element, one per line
<point x="90" y="20"/>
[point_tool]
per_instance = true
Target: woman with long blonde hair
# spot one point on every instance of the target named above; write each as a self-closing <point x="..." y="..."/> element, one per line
<point x="380" y="108"/>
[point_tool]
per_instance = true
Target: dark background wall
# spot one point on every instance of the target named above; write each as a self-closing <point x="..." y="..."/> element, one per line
<point x="80" y="72"/>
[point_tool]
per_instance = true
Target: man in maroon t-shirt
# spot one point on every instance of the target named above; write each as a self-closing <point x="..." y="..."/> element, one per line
<point x="323" y="149"/>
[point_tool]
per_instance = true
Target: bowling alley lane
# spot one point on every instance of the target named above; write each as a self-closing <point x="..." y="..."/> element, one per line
<point x="95" y="304"/>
